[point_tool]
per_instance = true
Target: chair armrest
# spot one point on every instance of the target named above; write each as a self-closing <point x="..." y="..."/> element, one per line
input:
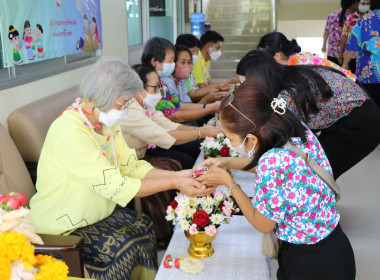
<point x="65" y="246"/>
<point x="59" y="243"/>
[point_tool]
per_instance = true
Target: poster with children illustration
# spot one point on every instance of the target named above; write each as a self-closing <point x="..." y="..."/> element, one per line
<point x="37" y="30"/>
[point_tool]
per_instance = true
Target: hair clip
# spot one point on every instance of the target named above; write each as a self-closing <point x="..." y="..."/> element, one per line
<point x="277" y="104"/>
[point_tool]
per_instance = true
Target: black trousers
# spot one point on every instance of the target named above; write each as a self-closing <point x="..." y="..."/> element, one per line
<point x="186" y="153"/>
<point x="352" y="138"/>
<point x="334" y="59"/>
<point x="330" y="259"/>
<point x="373" y="91"/>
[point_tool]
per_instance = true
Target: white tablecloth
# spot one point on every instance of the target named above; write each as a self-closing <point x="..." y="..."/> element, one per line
<point x="237" y="255"/>
<point x="237" y="247"/>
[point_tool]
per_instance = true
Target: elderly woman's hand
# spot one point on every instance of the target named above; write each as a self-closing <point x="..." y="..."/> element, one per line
<point x="193" y="188"/>
<point x="216" y="176"/>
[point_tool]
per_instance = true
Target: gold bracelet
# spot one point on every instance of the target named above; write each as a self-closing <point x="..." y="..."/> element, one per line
<point x="199" y="134"/>
<point x="231" y="188"/>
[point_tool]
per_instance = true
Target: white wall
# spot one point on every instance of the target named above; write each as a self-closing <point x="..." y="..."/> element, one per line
<point x="115" y="43"/>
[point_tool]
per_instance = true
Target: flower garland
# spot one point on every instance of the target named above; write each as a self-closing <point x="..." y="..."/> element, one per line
<point x="189" y="264"/>
<point x="79" y="105"/>
<point x="17" y="258"/>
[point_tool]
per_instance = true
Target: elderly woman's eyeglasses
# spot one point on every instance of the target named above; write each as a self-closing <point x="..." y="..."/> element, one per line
<point x="229" y="101"/>
<point x="126" y="104"/>
<point x="156" y="87"/>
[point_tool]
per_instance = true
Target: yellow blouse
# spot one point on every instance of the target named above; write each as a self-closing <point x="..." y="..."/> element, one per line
<point x="76" y="184"/>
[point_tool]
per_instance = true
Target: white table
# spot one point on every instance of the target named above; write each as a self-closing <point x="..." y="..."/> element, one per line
<point x="237" y="247"/>
<point x="237" y="255"/>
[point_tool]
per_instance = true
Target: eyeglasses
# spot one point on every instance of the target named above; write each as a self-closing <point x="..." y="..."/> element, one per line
<point x="156" y="87"/>
<point x="126" y="104"/>
<point x="229" y="100"/>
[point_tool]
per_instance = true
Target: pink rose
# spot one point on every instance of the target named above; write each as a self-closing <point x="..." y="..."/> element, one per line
<point x="210" y="230"/>
<point x="193" y="229"/>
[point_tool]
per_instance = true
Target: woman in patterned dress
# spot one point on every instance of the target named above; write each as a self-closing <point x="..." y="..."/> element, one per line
<point x="289" y="196"/>
<point x="333" y="29"/>
<point x="364" y="40"/>
<point x="326" y="101"/>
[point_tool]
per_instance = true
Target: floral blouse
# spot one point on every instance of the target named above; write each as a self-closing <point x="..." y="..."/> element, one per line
<point x="290" y="193"/>
<point x="335" y="32"/>
<point x="306" y="58"/>
<point x="365" y="40"/>
<point x="169" y="102"/>
<point x="346" y="96"/>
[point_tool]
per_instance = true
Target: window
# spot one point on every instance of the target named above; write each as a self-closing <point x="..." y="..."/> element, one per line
<point x="134" y="14"/>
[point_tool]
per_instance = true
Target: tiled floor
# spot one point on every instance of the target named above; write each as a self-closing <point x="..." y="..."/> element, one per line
<point x="360" y="211"/>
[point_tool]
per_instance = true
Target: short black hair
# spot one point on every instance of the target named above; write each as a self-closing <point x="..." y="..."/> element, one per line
<point x="188" y="40"/>
<point x="156" y="48"/>
<point x="375" y="4"/>
<point x="211" y="36"/>
<point x="143" y="71"/>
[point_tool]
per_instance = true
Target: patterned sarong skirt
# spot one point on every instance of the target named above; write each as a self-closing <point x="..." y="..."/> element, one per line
<point x="120" y="247"/>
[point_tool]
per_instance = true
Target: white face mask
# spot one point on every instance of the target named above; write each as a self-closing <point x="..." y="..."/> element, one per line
<point x="214" y="55"/>
<point x="151" y="100"/>
<point x="240" y="149"/>
<point x="167" y="70"/>
<point x="113" y="117"/>
<point x="363" y="8"/>
<point x="194" y="57"/>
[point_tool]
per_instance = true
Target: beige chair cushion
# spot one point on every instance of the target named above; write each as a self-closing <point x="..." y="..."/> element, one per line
<point x="29" y="124"/>
<point x="13" y="173"/>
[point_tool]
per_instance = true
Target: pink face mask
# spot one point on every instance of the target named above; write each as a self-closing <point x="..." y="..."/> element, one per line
<point x="182" y="73"/>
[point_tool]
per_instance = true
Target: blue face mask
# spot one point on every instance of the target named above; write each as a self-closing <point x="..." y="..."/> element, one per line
<point x="167" y="70"/>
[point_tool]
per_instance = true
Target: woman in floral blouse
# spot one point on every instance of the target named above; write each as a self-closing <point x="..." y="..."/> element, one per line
<point x="333" y="29"/>
<point x="159" y="52"/>
<point x="326" y="101"/>
<point x="288" y="52"/>
<point x="352" y="20"/>
<point x="289" y="196"/>
<point x="365" y="42"/>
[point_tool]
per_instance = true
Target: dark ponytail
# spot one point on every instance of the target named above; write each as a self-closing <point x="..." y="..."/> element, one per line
<point x="275" y="42"/>
<point x="345" y="5"/>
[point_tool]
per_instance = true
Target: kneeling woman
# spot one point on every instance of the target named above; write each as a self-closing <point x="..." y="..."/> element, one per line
<point x="87" y="175"/>
<point x="289" y="196"/>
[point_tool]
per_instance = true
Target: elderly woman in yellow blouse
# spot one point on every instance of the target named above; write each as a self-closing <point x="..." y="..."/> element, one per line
<point x="150" y="132"/>
<point x="87" y="174"/>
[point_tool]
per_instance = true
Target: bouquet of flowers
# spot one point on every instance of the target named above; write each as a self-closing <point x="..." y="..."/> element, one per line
<point x="206" y="214"/>
<point x="214" y="121"/>
<point x="218" y="147"/>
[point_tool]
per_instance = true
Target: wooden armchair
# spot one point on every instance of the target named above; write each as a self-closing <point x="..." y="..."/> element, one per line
<point x="14" y="176"/>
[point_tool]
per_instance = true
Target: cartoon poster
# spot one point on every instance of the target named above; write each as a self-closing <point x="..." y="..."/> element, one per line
<point x="37" y="30"/>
